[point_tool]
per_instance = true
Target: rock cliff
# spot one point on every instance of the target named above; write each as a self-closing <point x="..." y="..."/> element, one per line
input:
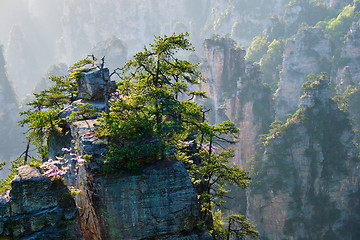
<point x="236" y="92"/>
<point x="307" y="183"/>
<point x="157" y="203"/>
<point x="349" y="72"/>
<point x="36" y="208"/>
<point x="309" y="52"/>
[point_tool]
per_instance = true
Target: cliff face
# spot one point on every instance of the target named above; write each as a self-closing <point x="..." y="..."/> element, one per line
<point x="307" y="184"/>
<point x="349" y="73"/>
<point x="237" y="87"/>
<point x="307" y="53"/>
<point x="36" y="208"/>
<point x="158" y="203"/>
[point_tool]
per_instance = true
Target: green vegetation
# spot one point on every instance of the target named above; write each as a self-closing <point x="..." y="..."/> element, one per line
<point x="42" y="117"/>
<point x="271" y="62"/>
<point x="257" y="49"/>
<point x="268" y="52"/>
<point x="5" y="184"/>
<point x="217" y="40"/>
<point x="238" y="227"/>
<point x="148" y="118"/>
<point x="337" y="28"/>
<point x="153" y="116"/>
<point x="267" y="49"/>
<point x="81" y="111"/>
<point x="325" y="126"/>
<point x="149" y="122"/>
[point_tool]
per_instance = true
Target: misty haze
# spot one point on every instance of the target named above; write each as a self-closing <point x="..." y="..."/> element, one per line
<point x="129" y="136"/>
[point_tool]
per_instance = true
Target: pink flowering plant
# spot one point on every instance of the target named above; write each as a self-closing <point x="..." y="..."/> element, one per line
<point x="55" y="169"/>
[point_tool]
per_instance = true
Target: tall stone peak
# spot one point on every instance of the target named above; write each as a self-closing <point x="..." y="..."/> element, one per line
<point x="309" y="52"/>
<point x="223" y="65"/>
<point x="158" y="203"/>
<point x="349" y="69"/>
<point x="236" y="86"/>
<point x="307" y="171"/>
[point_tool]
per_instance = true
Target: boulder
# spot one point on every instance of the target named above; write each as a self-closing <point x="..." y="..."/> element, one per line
<point x="91" y="85"/>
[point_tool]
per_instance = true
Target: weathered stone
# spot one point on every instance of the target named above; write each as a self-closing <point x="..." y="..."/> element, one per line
<point x="308" y="53"/>
<point x="36" y="208"/>
<point x="91" y="84"/>
<point x="350" y="56"/>
<point x="83" y="133"/>
<point x="158" y="202"/>
<point x="31" y="191"/>
<point x="308" y="176"/>
<point x="22" y="225"/>
<point x="5" y="205"/>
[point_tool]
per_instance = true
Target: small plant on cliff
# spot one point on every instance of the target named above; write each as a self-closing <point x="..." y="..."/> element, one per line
<point x="55" y="169"/>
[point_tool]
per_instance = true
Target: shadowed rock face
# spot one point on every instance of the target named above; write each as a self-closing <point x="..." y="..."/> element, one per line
<point x="236" y="92"/>
<point x="36" y="208"/>
<point x="307" y="182"/>
<point x="161" y="201"/>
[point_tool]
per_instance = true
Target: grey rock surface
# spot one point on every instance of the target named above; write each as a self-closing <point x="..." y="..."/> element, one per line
<point x="37" y="208"/>
<point x="158" y="203"/>
<point x="91" y="84"/>
<point x="350" y="56"/>
<point x="309" y="52"/>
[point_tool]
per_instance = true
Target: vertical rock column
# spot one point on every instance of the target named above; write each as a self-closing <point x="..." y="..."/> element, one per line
<point x="307" y="53"/>
<point x="237" y="87"/>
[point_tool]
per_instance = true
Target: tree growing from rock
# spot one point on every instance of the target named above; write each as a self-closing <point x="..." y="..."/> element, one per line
<point x="154" y="116"/>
